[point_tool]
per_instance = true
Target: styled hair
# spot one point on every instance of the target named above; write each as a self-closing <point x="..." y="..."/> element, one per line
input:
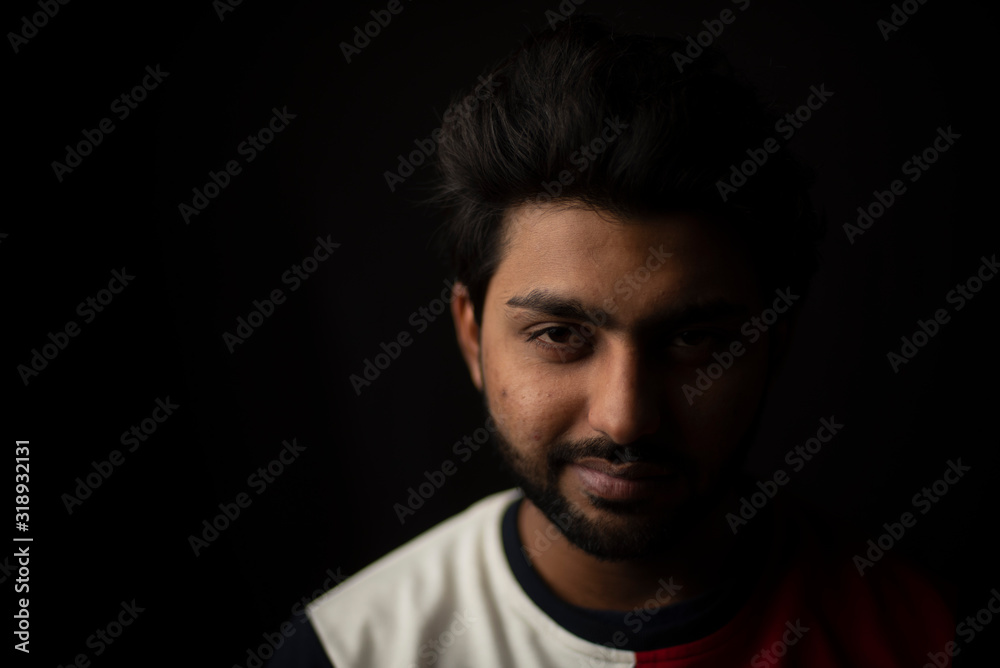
<point x="682" y="125"/>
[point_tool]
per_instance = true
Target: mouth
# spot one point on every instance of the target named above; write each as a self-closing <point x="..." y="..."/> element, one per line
<point x="621" y="482"/>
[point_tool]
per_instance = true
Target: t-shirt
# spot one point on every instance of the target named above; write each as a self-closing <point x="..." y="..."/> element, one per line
<point x="464" y="594"/>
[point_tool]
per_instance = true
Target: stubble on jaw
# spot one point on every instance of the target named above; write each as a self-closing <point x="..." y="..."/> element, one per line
<point x="622" y="533"/>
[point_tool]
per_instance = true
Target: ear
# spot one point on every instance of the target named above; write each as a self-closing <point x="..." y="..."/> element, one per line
<point x="467" y="331"/>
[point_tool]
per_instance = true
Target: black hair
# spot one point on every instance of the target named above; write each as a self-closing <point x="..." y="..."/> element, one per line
<point x="687" y="122"/>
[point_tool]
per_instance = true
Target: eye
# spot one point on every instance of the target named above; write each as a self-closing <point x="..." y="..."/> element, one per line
<point x="556" y="335"/>
<point x="694" y="337"/>
<point x="564" y="340"/>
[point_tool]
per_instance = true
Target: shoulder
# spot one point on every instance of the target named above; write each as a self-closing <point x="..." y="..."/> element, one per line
<point x="857" y="561"/>
<point x="429" y="583"/>
<point x="862" y="590"/>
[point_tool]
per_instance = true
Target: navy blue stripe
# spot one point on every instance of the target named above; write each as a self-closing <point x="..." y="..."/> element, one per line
<point x="641" y="631"/>
<point x="301" y="650"/>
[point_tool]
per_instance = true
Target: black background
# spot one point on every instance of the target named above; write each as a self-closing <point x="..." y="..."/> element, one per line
<point x="332" y="509"/>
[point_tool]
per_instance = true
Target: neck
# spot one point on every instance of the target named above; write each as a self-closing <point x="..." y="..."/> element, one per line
<point x="691" y="567"/>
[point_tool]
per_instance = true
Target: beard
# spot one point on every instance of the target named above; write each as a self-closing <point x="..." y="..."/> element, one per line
<point x="619" y="530"/>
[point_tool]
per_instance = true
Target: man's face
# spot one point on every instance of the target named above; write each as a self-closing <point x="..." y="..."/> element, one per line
<point x="592" y="417"/>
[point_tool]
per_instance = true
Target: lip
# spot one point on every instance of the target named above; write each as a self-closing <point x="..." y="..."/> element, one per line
<point x="620" y="482"/>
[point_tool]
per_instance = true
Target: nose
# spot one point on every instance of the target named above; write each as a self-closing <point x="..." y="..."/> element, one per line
<point x="625" y="402"/>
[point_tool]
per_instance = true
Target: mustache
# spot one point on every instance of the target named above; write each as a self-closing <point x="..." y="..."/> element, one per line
<point x="647" y="452"/>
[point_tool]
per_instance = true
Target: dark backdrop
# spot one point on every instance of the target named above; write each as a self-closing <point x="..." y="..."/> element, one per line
<point x="330" y="512"/>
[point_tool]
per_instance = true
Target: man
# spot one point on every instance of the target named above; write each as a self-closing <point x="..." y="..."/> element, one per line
<point x="623" y="305"/>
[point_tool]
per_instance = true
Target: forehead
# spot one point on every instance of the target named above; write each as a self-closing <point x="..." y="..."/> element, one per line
<point x="641" y="265"/>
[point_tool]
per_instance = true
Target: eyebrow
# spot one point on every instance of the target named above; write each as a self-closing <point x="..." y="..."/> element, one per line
<point x="544" y="302"/>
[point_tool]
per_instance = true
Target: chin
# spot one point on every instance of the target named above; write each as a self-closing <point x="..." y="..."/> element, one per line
<point x="614" y="530"/>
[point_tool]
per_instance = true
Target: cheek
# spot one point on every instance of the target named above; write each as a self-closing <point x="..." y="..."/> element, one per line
<point x="529" y="399"/>
<point x="532" y="414"/>
<point x="715" y="422"/>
